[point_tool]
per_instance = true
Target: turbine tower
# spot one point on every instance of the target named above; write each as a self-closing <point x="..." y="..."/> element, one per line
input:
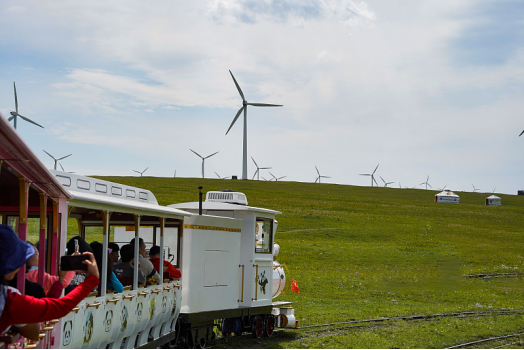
<point x="15" y="114"/>
<point x="426" y="183"/>
<point x="320" y="176"/>
<point x="56" y="160"/>
<point x="386" y="183"/>
<point x="244" y="108"/>
<point x="257" y="173"/>
<point x="141" y="173"/>
<point x="372" y="176"/>
<point x="203" y="159"/>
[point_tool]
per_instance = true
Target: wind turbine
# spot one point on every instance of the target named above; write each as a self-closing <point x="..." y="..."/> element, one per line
<point x="257" y="173"/>
<point x="427" y="183"/>
<point x="386" y="183"/>
<point x="221" y="178"/>
<point x="372" y="176"/>
<point x="244" y="108"/>
<point x="443" y="188"/>
<point x="15" y="114"/>
<point x="277" y="178"/>
<point x="71" y="172"/>
<point x="141" y="173"/>
<point x="474" y="188"/>
<point x="56" y="160"/>
<point x="203" y="159"/>
<point x="174" y="174"/>
<point x="320" y="176"/>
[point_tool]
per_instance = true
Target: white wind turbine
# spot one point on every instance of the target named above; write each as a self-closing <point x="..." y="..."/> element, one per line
<point x="56" y="160"/>
<point x="203" y="159"/>
<point x="141" y="173"/>
<point x="15" y="114"/>
<point x="475" y="189"/>
<point x="277" y="178"/>
<point x="244" y="108"/>
<point x="257" y="173"/>
<point x="320" y="176"/>
<point x="372" y="176"/>
<point x="386" y="183"/>
<point x="221" y="178"/>
<point x="426" y="183"/>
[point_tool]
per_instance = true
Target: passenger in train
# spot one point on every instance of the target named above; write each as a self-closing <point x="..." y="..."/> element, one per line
<point x="125" y="268"/>
<point x="154" y="256"/>
<point x="147" y="267"/>
<point x="113" y="254"/>
<point x="77" y="244"/>
<point x="25" y="311"/>
<point x="112" y="281"/>
<point x="32" y="274"/>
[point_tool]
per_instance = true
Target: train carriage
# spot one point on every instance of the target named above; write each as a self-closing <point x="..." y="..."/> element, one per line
<point x="226" y="255"/>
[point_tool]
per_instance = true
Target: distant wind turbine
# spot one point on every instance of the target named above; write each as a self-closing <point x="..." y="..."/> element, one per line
<point x="221" y="178"/>
<point x="244" y="108"/>
<point x="141" y="173"/>
<point x="426" y="183"/>
<point x="71" y="172"/>
<point x="174" y="174"/>
<point x="277" y="178"/>
<point x="474" y="188"/>
<point x="56" y="160"/>
<point x="15" y="114"/>
<point x="257" y="173"/>
<point x="203" y="159"/>
<point x="372" y="176"/>
<point x="443" y="188"/>
<point x="386" y="183"/>
<point x="320" y="176"/>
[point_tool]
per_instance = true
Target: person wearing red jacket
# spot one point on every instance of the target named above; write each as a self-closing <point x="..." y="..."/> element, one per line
<point x="154" y="256"/>
<point x="25" y="311"/>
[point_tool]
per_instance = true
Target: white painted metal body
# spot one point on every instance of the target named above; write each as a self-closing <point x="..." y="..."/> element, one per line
<point x="447" y="196"/>
<point x="258" y="267"/>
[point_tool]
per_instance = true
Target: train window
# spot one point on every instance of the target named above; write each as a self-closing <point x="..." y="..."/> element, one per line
<point x="263" y="235"/>
<point x="130" y="193"/>
<point x="142" y="195"/>
<point x="117" y="191"/>
<point x="101" y="188"/>
<point x="83" y="184"/>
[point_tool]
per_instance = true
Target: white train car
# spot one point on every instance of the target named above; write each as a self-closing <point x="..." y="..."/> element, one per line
<point x="226" y="257"/>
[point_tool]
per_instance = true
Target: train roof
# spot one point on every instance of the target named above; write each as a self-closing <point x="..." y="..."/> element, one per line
<point x="20" y="160"/>
<point x="107" y="195"/>
<point x="222" y="206"/>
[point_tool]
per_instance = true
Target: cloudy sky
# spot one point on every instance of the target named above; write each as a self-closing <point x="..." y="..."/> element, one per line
<point x="423" y="88"/>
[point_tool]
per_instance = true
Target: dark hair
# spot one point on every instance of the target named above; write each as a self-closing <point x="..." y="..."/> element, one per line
<point x="98" y="251"/>
<point x="154" y="250"/>
<point x="140" y="241"/>
<point x="127" y="253"/>
<point x="82" y="246"/>
<point x="114" y="247"/>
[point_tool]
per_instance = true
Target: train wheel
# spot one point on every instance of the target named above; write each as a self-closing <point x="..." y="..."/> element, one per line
<point x="270" y="325"/>
<point x="257" y="327"/>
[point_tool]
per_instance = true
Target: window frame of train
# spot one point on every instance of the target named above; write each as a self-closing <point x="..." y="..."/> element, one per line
<point x="265" y="234"/>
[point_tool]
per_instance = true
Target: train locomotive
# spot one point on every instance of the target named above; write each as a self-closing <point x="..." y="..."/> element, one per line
<point x="224" y="248"/>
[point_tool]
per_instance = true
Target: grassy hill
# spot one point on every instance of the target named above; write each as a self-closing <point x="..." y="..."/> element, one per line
<point x="362" y="253"/>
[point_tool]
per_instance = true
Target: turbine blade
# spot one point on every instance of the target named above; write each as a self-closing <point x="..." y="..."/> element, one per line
<point x="30" y="121"/>
<point x="430" y="185"/>
<point x="49" y="154"/>
<point x="317" y="170"/>
<point x="236" y="117"/>
<point x="254" y="162"/>
<point x="521" y="133"/>
<point x="211" y="155"/>
<point x="145" y="170"/>
<point x="375" y="169"/>
<point x="136" y="171"/>
<point x="217" y="175"/>
<point x="61" y="166"/>
<point x="196" y="153"/>
<point x="266" y="168"/>
<point x="238" y="87"/>
<point x="65" y="156"/>
<point x="263" y="105"/>
<point x="16" y="99"/>
<point x="365" y="174"/>
<point x="374" y="180"/>
<point x="10" y="118"/>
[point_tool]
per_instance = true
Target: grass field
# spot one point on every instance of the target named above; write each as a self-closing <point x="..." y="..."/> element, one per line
<point x="362" y="253"/>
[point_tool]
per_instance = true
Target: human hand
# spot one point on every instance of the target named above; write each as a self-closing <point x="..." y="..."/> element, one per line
<point x="92" y="268"/>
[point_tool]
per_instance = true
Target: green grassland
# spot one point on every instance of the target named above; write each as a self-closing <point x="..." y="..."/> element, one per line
<point x="362" y="253"/>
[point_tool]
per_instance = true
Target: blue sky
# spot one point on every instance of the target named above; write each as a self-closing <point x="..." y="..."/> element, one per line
<point x="421" y="88"/>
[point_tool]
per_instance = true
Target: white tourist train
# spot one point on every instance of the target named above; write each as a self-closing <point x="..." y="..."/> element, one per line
<point x="224" y="248"/>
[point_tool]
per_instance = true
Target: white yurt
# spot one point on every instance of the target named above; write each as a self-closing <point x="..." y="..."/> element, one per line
<point x="447" y="196"/>
<point x="493" y="200"/>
